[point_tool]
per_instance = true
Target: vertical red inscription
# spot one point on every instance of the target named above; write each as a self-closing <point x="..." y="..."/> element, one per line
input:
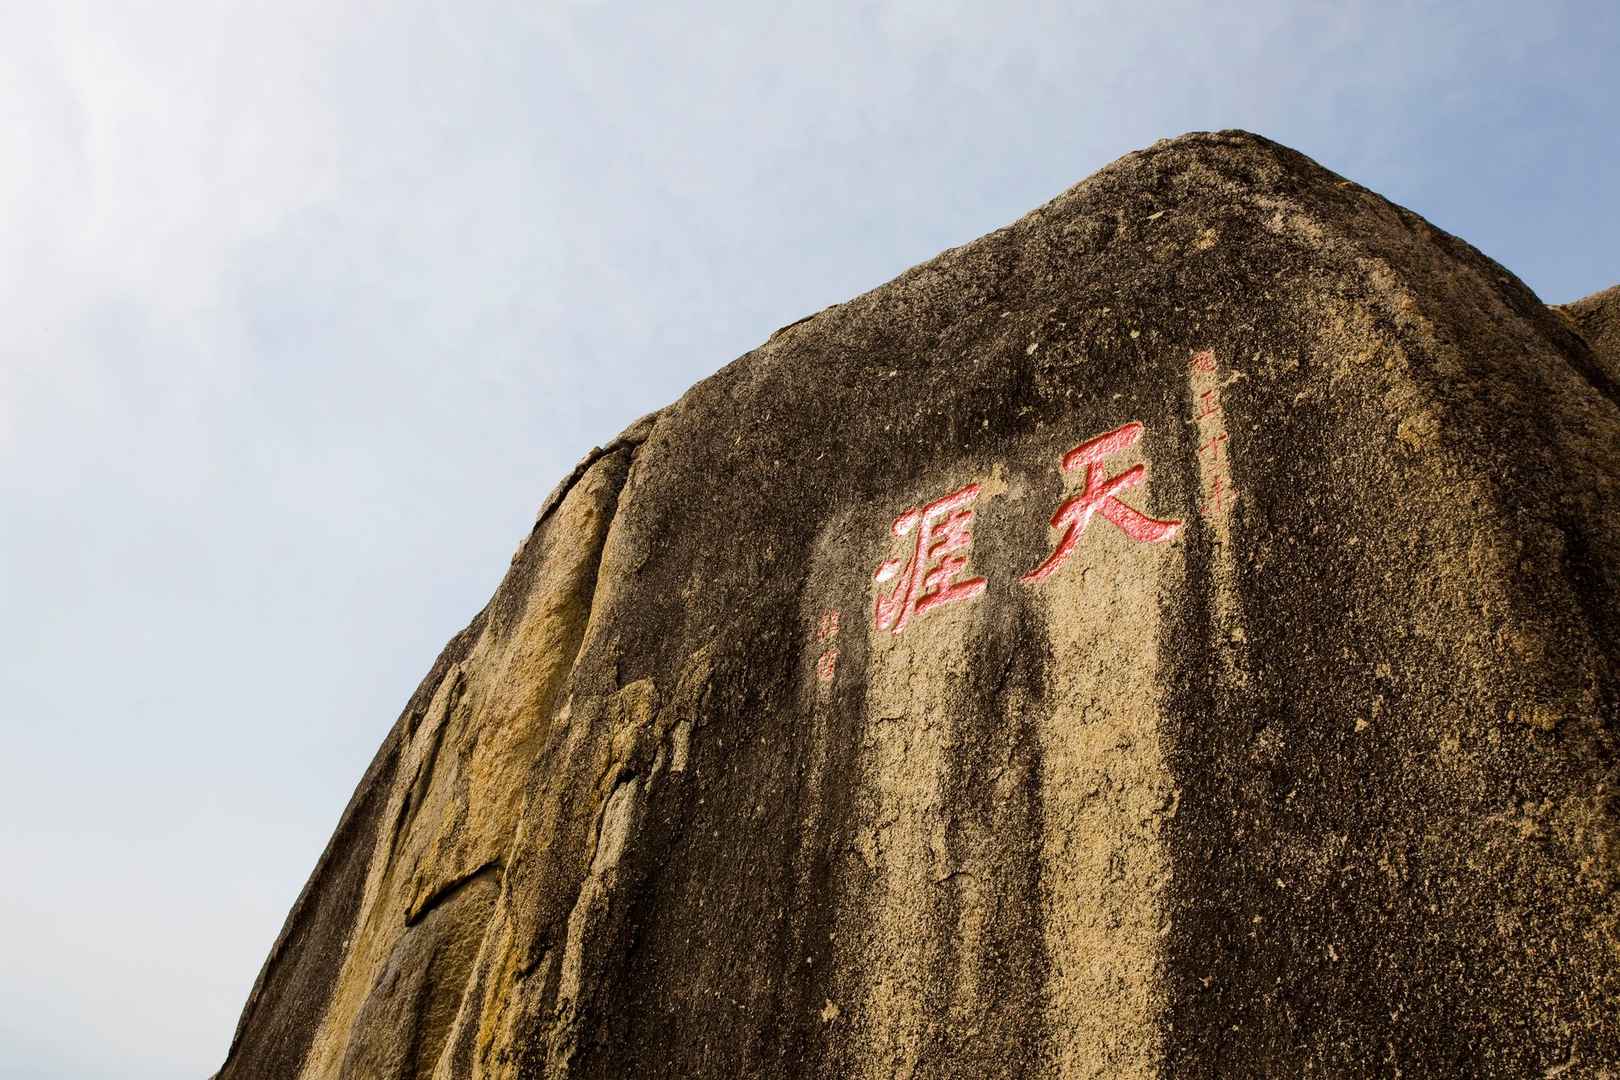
<point x="1211" y="421"/>
<point x="943" y="532"/>
<point x="1100" y="495"/>
<point x="826" y="631"/>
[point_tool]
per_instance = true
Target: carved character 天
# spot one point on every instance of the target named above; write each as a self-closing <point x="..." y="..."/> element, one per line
<point x="1100" y="495"/>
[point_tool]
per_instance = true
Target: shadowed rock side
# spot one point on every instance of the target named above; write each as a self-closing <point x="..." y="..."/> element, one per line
<point x="1597" y="318"/>
<point x="826" y="725"/>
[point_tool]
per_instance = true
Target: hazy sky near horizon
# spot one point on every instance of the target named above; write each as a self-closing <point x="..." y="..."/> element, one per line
<point x="308" y="305"/>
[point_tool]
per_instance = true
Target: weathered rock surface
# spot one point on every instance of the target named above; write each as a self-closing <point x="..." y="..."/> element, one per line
<point x="1597" y="318"/>
<point x="1321" y="781"/>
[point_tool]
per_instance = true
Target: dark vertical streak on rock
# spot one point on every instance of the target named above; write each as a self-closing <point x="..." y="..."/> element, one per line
<point x="807" y="1043"/>
<point x="1186" y="630"/>
<point x="734" y="960"/>
<point x="1597" y="593"/>
<point x="1013" y="963"/>
<point x="1269" y="772"/>
<point x="995" y="830"/>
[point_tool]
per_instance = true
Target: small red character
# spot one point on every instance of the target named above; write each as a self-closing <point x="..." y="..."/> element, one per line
<point x="1203" y="361"/>
<point x="827" y="666"/>
<point x="1212" y="404"/>
<point x="828" y="628"/>
<point x="1099" y="496"/>
<point x="943" y="530"/>
<point x="1214" y="501"/>
<point x="1214" y="446"/>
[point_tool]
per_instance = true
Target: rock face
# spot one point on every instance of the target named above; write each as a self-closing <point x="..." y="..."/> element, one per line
<point x="1175" y="634"/>
<point x="1597" y="318"/>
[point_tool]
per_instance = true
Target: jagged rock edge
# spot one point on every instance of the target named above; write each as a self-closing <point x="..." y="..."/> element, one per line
<point x="379" y="773"/>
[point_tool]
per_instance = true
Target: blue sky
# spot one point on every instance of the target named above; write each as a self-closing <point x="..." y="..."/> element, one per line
<point x="308" y="305"/>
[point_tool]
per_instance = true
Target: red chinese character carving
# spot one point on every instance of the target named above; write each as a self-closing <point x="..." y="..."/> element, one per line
<point x="1203" y="361"/>
<point x="827" y="666"/>
<point x="828" y="628"/>
<point x="1211" y="407"/>
<point x="1100" y="496"/>
<point x="943" y="530"/>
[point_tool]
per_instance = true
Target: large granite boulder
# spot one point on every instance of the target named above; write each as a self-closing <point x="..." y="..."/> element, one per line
<point x="1175" y="634"/>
